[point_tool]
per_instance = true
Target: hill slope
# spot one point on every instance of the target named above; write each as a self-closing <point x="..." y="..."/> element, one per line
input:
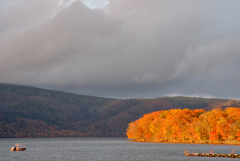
<point x="33" y="112"/>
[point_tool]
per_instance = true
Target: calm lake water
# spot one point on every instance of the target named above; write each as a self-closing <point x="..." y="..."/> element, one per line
<point x="105" y="149"/>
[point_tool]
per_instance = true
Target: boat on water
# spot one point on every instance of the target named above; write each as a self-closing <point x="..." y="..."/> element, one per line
<point x="18" y="147"/>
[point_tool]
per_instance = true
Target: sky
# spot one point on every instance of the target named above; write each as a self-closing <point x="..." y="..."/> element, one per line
<point x="123" y="48"/>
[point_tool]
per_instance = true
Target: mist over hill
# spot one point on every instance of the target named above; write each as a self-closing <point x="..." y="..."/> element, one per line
<point x="33" y="112"/>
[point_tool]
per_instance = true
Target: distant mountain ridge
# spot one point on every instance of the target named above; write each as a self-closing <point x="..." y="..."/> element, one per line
<point x="33" y="112"/>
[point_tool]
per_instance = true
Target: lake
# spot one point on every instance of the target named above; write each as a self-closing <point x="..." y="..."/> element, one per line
<point x="104" y="149"/>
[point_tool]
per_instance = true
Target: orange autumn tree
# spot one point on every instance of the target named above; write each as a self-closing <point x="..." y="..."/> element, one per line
<point x="186" y="125"/>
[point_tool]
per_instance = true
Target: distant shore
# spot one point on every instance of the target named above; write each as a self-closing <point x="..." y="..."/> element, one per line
<point x="201" y="142"/>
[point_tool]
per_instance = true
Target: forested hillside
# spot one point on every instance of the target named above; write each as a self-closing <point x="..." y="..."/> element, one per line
<point x="33" y="112"/>
<point x="216" y="126"/>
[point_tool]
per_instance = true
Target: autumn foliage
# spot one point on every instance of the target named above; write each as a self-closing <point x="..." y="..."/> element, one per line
<point x="186" y="125"/>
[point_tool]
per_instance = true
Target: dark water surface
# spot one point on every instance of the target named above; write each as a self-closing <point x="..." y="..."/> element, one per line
<point x="105" y="149"/>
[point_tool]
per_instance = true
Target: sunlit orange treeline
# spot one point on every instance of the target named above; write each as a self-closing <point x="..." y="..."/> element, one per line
<point x="186" y="125"/>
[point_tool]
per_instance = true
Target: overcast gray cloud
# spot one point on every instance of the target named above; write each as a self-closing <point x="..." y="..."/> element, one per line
<point x="129" y="48"/>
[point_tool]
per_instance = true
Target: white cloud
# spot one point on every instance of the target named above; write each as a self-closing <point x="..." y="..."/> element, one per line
<point x="95" y="4"/>
<point x="131" y="48"/>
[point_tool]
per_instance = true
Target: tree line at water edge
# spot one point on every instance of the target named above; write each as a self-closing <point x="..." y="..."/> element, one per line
<point x="176" y="125"/>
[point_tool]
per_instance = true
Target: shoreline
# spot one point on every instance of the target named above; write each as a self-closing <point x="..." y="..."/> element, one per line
<point x="172" y="142"/>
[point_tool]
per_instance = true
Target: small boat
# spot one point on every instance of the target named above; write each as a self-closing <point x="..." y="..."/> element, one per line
<point x="18" y="147"/>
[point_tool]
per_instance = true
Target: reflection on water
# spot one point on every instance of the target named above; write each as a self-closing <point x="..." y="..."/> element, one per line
<point x="104" y="149"/>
